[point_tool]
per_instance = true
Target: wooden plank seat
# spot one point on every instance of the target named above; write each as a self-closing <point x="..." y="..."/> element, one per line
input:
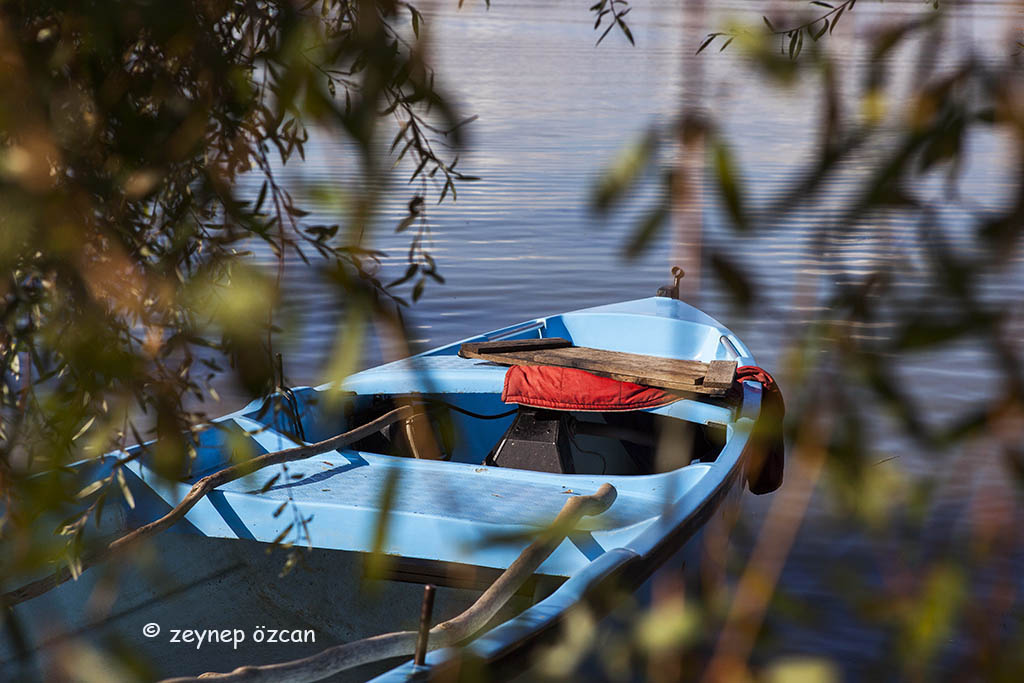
<point x="714" y="378"/>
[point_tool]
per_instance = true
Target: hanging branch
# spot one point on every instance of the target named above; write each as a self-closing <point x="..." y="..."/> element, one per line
<point x="154" y="282"/>
<point x="615" y="11"/>
<point x="828" y="22"/>
<point x="198" y="491"/>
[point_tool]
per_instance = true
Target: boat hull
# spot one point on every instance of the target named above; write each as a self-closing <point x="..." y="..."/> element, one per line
<point x="212" y="600"/>
<point x="455" y="523"/>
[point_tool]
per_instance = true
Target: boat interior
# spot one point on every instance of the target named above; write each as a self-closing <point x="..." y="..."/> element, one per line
<point x="493" y="434"/>
<point x="480" y="429"/>
<point x="463" y="419"/>
<point x="469" y="465"/>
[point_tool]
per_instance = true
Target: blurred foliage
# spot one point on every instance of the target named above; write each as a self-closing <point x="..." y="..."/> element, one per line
<point x="924" y="592"/>
<point x="128" y="287"/>
<point x="129" y="134"/>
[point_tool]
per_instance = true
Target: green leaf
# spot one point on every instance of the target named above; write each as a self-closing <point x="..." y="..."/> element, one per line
<point x="84" y="428"/>
<point x="625" y="30"/>
<point x="923" y="333"/>
<point x="75" y="566"/>
<point x="404" y="224"/>
<point x="415" y="21"/>
<point x="289" y="564"/>
<point x="647" y="230"/>
<point x="623" y="172"/>
<point x="835" y="19"/>
<point x="444" y="191"/>
<point x="261" y="198"/>
<point x="125" y="491"/>
<point x="734" y="279"/>
<point x="280" y="537"/>
<point x="801" y="669"/>
<point x="98" y="510"/>
<point x="934" y="612"/>
<point x="91" y="488"/>
<point x="409" y="273"/>
<point x="728" y="184"/>
<point x="323" y="233"/>
<point x="267" y="485"/>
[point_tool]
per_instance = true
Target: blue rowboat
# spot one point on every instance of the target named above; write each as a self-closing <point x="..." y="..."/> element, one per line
<point x="378" y="526"/>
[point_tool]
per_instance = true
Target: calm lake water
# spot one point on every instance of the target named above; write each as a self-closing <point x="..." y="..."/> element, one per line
<point x="523" y="242"/>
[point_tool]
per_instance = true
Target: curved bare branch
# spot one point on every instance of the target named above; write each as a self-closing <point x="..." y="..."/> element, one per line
<point x="200" y="489"/>
<point x="447" y="633"/>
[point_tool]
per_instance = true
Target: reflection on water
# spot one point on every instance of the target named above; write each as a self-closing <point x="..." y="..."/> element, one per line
<point x="522" y="242"/>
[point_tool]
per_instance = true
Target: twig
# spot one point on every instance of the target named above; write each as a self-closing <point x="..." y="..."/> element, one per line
<point x="197" y="492"/>
<point x="808" y="24"/>
<point x="793" y="32"/>
<point x="757" y="583"/>
<point x="403" y="643"/>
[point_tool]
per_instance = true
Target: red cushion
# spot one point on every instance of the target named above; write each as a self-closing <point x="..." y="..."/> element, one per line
<point x="571" y="389"/>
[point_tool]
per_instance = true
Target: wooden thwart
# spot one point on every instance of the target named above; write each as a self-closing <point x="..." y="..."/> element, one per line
<point x="507" y="345"/>
<point x="714" y="378"/>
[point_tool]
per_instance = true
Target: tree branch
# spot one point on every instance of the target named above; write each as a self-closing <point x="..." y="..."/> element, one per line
<point x="200" y="489"/>
<point x="447" y="633"/>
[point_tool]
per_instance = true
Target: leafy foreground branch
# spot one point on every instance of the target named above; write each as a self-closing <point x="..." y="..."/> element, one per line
<point x="148" y="218"/>
<point x="447" y="633"/>
<point x="815" y="28"/>
<point x="198" y="491"/>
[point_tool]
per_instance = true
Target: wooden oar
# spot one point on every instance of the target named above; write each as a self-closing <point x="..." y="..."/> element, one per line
<point x="714" y="378"/>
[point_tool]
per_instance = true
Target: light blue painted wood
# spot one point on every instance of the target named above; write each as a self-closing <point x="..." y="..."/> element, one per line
<point x="454" y="511"/>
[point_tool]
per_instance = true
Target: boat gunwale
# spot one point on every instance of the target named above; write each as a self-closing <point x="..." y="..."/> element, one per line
<point x="506" y="647"/>
<point x="627" y="534"/>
